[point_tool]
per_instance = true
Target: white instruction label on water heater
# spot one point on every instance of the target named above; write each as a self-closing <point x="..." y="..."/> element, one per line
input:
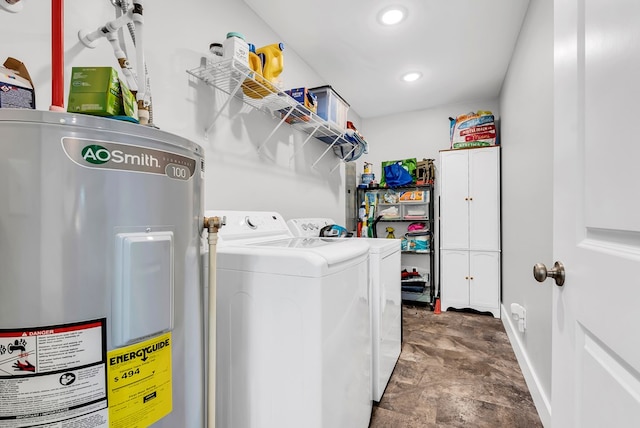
<point x="54" y="376"/>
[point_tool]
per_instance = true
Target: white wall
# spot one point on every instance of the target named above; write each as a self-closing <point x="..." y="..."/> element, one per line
<point x="238" y="175"/>
<point x="526" y="106"/>
<point x="417" y="134"/>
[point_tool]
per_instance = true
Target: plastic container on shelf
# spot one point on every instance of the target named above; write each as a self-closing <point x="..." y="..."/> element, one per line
<point x="272" y="61"/>
<point x="255" y="86"/>
<point x="255" y="63"/>
<point x="331" y="106"/>
<point x="216" y="51"/>
<point x="236" y="47"/>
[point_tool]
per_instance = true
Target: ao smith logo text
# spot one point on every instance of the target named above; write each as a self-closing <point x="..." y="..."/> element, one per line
<point x="141" y="353"/>
<point x="107" y="155"/>
<point x="99" y="155"/>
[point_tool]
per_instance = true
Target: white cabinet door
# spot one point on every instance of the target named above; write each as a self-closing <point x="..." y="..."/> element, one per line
<point x="484" y="199"/>
<point x="470" y="199"/>
<point x="454" y="207"/>
<point x="454" y="272"/>
<point x="484" y="281"/>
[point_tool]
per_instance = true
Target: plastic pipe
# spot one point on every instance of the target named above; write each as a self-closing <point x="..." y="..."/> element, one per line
<point x="57" y="55"/>
<point x="123" y="61"/>
<point x="212" y="224"/>
<point x="89" y="39"/>
<point x="143" y="107"/>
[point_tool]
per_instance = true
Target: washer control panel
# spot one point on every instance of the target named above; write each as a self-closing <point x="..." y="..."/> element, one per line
<point x="308" y="227"/>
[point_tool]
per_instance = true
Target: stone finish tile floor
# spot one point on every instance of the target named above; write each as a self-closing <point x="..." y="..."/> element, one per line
<point x="456" y="369"/>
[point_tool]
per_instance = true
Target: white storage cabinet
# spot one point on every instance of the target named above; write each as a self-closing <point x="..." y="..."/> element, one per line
<point x="470" y="229"/>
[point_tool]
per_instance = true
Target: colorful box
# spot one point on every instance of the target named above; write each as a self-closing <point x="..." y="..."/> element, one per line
<point x="304" y="97"/>
<point x="95" y="90"/>
<point x="16" y="87"/>
<point x="129" y="103"/>
<point x="99" y="91"/>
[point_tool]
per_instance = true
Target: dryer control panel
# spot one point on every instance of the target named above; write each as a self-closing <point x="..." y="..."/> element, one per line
<point x="308" y="227"/>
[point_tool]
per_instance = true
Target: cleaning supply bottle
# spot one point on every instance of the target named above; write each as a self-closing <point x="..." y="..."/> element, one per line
<point x="255" y="63"/>
<point x="215" y="52"/>
<point x="236" y="47"/>
<point x="255" y="86"/>
<point x="272" y="60"/>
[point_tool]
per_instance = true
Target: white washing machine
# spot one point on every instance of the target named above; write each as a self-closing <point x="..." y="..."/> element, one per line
<point x="385" y="299"/>
<point x="293" y="328"/>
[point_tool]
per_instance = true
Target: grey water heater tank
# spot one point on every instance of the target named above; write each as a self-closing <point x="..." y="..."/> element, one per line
<point x="101" y="312"/>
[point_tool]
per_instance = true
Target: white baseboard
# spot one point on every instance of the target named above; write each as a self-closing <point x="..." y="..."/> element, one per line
<point x="540" y="399"/>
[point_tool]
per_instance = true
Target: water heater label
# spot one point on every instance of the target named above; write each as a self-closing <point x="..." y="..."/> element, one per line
<point x="140" y="383"/>
<point x="54" y="376"/>
<point x="124" y="157"/>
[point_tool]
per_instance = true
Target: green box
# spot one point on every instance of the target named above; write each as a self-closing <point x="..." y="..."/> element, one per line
<point x="129" y="103"/>
<point x="96" y="91"/>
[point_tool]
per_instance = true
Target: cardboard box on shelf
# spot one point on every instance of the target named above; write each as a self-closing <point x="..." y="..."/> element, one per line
<point x="129" y="103"/>
<point x="302" y="113"/>
<point x="16" y="87"/>
<point x="304" y="97"/>
<point x="99" y="91"/>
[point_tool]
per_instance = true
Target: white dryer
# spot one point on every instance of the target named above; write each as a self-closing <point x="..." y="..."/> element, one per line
<point x="293" y="328"/>
<point x="385" y="299"/>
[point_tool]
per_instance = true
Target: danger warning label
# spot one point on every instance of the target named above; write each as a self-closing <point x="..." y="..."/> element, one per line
<point x="54" y="376"/>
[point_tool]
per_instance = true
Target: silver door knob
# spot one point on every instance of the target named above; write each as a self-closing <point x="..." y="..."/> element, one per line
<point x="540" y="273"/>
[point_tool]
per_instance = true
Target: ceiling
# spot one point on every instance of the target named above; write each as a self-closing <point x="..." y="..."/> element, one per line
<point x="462" y="48"/>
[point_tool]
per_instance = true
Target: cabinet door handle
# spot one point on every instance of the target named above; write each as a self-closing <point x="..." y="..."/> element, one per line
<point x="471" y="199"/>
<point x="471" y="277"/>
<point x="466" y="277"/>
<point x="466" y="199"/>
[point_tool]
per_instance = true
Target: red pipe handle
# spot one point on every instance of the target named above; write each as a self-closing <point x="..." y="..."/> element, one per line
<point x="57" y="54"/>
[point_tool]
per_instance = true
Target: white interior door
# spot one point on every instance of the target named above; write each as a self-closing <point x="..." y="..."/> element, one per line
<point x="596" y="314"/>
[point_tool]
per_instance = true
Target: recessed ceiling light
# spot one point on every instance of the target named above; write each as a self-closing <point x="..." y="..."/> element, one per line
<point x="412" y="76"/>
<point x="392" y="15"/>
<point x="13" y="6"/>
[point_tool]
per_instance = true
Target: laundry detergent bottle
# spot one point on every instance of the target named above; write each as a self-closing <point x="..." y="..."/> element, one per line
<point x="255" y="86"/>
<point x="272" y="60"/>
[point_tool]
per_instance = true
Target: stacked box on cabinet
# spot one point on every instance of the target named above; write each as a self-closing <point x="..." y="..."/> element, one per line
<point x="474" y="129"/>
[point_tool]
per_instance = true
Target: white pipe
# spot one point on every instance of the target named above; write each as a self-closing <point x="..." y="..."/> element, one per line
<point x="121" y="56"/>
<point x="89" y="39"/>
<point x="143" y="105"/>
<point x="211" y="403"/>
<point x="212" y="224"/>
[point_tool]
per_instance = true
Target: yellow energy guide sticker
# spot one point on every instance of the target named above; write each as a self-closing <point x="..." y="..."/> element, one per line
<point x="139" y="379"/>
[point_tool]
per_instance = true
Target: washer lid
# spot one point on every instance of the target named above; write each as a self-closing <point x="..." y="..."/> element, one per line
<point x="307" y="257"/>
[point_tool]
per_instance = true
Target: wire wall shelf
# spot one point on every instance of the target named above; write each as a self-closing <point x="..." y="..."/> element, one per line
<point x="238" y="81"/>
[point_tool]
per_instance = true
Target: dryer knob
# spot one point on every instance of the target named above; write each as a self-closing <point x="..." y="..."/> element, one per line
<point x="252" y="224"/>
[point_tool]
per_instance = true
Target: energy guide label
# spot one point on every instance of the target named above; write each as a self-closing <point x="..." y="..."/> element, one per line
<point x="54" y="376"/>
